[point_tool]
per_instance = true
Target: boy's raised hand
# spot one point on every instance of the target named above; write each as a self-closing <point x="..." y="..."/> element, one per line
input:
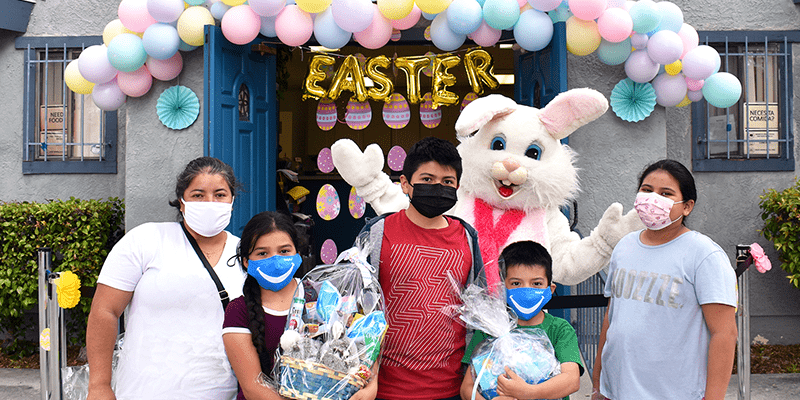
<point x="511" y="385"/>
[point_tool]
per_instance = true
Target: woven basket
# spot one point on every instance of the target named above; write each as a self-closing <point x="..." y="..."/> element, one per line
<point x="303" y="380"/>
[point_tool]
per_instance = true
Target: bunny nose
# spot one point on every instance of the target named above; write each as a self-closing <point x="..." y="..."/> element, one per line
<point x="510" y="164"/>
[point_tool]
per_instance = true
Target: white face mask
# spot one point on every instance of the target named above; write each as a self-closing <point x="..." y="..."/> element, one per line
<point x="654" y="210"/>
<point x="207" y="218"/>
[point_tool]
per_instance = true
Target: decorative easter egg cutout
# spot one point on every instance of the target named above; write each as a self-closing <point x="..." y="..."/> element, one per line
<point x="328" y="204"/>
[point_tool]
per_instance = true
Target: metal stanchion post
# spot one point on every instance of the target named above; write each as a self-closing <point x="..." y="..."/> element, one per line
<point x="44" y="254"/>
<point x="57" y="356"/>
<point x="743" y="260"/>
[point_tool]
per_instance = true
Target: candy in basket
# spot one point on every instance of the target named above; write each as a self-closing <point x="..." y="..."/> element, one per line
<point x="335" y="330"/>
<point x="527" y="351"/>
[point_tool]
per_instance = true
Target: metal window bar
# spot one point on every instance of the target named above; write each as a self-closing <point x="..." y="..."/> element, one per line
<point x="785" y="137"/>
<point x="35" y="64"/>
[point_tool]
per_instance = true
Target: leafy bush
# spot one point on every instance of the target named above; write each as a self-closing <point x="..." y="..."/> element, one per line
<point x="80" y="234"/>
<point x="781" y="215"/>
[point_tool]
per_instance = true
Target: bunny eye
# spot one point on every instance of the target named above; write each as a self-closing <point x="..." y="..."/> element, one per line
<point x="534" y="152"/>
<point x="498" y="143"/>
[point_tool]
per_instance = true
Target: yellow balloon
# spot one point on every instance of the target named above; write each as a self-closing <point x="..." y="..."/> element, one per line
<point x="583" y="38"/>
<point x="191" y="25"/>
<point x="75" y="81"/>
<point x="412" y="66"/>
<point x="433" y="6"/>
<point x="395" y="9"/>
<point x="387" y="86"/>
<point x="674" y="68"/>
<point x="113" y="29"/>
<point x="442" y="79"/>
<point x="313" y="6"/>
<point x="355" y="84"/>
<point x="316" y="73"/>
<point x="479" y="64"/>
<point x="685" y="102"/>
<point x="233" y="3"/>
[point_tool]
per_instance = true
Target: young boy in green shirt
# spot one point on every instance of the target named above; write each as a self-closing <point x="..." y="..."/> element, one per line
<point x="527" y="271"/>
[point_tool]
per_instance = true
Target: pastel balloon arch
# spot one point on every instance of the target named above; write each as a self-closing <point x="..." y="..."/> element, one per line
<point x="661" y="54"/>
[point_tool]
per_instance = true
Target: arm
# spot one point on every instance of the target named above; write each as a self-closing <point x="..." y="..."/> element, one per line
<point x="598" y="364"/>
<point x="101" y="335"/>
<point x="721" y="322"/>
<point x="245" y="363"/>
<point x="559" y="386"/>
<point x="466" y="386"/>
<point x="370" y="391"/>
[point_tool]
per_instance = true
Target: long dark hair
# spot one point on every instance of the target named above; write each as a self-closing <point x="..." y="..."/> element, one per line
<point x="677" y="171"/>
<point x="261" y="224"/>
<point x="203" y="165"/>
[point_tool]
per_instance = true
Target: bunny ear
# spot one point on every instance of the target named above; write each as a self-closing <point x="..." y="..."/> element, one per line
<point x="477" y="113"/>
<point x="571" y="110"/>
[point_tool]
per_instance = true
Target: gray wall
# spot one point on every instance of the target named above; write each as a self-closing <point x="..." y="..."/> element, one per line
<point x="612" y="152"/>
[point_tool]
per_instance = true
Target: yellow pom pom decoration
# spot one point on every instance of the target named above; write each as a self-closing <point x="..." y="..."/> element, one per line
<point x="68" y="289"/>
<point x="674" y="68"/>
<point x="685" y="102"/>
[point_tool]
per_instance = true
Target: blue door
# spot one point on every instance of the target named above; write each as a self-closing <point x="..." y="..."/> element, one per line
<point x="538" y="78"/>
<point x="240" y="115"/>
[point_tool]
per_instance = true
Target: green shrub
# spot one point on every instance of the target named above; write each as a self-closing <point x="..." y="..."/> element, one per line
<point x="781" y="215"/>
<point x="80" y="234"/>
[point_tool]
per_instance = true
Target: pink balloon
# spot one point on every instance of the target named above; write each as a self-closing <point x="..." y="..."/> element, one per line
<point x="544" y="5"/>
<point x="165" y="70"/>
<point x="135" y="83"/>
<point x="689" y="37"/>
<point x="134" y="16"/>
<point x="377" y="34"/>
<point x="240" y="24"/>
<point x="615" y="25"/>
<point x="409" y="20"/>
<point x="108" y="96"/>
<point x="294" y="26"/>
<point x="587" y="10"/>
<point x="522" y="3"/>
<point x="695" y="95"/>
<point x="485" y="35"/>
<point x="694" y="84"/>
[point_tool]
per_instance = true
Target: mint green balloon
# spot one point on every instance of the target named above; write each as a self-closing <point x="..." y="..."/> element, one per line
<point x="126" y="52"/>
<point x="614" y="53"/>
<point x="722" y="90"/>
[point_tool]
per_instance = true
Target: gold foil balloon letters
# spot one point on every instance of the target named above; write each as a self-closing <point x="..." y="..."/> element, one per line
<point x="387" y="86"/>
<point x="412" y="67"/>
<point x="479" y="70"/>
<point x="348" y="77"/>
<point x="316" y="73"/>
<point x="442" y="79"/>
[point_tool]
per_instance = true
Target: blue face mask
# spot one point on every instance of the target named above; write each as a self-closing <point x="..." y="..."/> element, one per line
<point x="275" y="272"/>
<point x="527" y="302"/>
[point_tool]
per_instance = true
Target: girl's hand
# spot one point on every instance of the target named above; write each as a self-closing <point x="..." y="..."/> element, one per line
<point x="368" y="392"/>
<point x="511" y="384"/>
<point x="597" y="396"/>
<point x="101" y="393"/>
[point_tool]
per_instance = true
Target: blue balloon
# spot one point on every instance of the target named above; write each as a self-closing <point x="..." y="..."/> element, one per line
<point x="328" y="33"/>
<point x="534" y="30"/>
<point x="126" y="52"/>
<point x="219" y="9"/>
<point x="722" y="90"/>
<point x="429" y="17"/>
<point x="161" y="41"/>
<point x="645" y="16"/>
<point x="561" y="13"/>
<point x="671" y="16"/>
<point x="268" y="26"/>
<point x="464" y="16"/>
<point x="186" y="47"/>
<point x="501" y="14"/>
<point x="614" y="53"/>
<point x="442" y="36"/>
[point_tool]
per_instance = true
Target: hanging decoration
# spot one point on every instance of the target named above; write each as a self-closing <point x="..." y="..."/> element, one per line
<point x="431" y="117"/>
<point x="396" y="158"/>
<point x="328" y="204"/>
<point x="326" y="114"/>
<point x="328" y="252"/>
<point x="469" y="98"/>
<point x="632" y="101"/>
<point x="356" y="204"/>
<point x="68" y="288"/>
<point x="325" y="161"/>
<point x="177" y="107"/>
<point x="359" y="114"/>
<point x="396" y="113"/>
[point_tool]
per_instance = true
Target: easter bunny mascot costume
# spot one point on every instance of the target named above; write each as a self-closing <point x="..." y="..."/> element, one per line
<point x="516" y="175"/>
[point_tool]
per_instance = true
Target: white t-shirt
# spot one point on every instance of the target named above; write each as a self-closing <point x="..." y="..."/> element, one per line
<point x="657" y="340"/>
<point x="173" y="341"/>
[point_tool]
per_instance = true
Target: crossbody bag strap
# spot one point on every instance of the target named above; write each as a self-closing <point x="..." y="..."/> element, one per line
<point x="223" y="294"/>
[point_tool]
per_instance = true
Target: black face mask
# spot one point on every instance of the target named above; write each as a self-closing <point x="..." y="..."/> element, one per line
<point x="432" y="200"/>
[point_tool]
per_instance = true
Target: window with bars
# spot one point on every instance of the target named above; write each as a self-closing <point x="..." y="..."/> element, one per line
<point x="63" y="132"/>
<point x="755" y="134"/>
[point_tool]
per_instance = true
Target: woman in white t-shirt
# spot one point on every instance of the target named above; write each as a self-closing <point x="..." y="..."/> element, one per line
<point x="173" y="340"/>
<point x="670" y="328"/>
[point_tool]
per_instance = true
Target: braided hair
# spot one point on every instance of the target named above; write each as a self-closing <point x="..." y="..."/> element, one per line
<point x="261" y="224"/>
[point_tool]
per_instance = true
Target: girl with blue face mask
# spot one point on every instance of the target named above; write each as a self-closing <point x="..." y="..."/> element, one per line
<point x="253" y="325"/>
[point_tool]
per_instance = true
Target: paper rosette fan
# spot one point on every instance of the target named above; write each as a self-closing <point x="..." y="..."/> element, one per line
<point x="68" y="289"/>
<point x="633" y="101"/>
<point x="177" y="107"/>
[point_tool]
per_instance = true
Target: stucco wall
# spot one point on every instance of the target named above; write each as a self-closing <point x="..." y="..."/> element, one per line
<point x="612" y="153"/>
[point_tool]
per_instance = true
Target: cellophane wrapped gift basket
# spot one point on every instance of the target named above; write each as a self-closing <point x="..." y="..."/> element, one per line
<point x="527" y="351"/>
<point x="334" y="331"/>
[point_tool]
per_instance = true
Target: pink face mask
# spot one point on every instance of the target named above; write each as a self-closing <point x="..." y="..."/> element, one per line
<point x="654" y="209"/>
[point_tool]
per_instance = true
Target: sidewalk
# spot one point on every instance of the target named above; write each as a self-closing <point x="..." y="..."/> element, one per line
<point x="23" y="384"/>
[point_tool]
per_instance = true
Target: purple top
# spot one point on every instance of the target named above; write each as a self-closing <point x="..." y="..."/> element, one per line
<point x="237" y="321"/>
